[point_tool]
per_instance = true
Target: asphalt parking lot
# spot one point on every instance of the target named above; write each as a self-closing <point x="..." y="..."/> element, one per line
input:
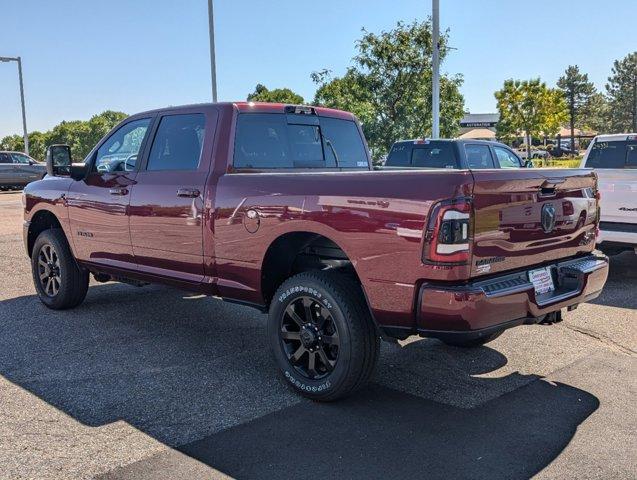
<point x="153" y="383"/>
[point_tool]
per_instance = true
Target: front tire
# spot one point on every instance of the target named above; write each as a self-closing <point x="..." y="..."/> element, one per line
<point x="322" y="336"/>
<point x="58" y="279"/>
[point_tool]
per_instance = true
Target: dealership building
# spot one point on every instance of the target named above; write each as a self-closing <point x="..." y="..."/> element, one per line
<point x="479" y="126"/>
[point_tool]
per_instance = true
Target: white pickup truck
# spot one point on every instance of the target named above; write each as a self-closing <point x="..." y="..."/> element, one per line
<point x="614" y="158"/>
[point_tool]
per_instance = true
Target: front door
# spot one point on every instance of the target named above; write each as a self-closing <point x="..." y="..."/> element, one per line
<point x="98" y="205"/>
<point x="167" y="203"/>
<point x="26" y="172"/>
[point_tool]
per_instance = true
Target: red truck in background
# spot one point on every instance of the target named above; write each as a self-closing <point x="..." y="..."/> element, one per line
<point x="278" y="207"/>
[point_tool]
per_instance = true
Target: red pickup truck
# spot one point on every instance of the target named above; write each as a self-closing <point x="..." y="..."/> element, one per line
<point x="278" y="207"/>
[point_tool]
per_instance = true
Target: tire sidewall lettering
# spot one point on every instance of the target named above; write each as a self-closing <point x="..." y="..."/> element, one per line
<point x="303" y="289"/>
<point x="308" y="388"/>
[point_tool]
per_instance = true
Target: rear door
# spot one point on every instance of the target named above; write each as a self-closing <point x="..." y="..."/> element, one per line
<point x="167" y="203"/>
<point x="525" y="217"/>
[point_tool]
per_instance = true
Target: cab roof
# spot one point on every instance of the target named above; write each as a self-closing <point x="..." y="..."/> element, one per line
<point x="260" y="107"/>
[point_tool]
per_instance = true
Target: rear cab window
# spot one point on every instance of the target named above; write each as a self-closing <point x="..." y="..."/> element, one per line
<point x="423" y="154"/>
<point x="302" y="141"/>
<point x="613" y="154"/>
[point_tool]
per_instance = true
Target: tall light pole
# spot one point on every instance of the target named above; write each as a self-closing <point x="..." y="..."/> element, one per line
<point x="24" y="115"/>
<point x="213" y="67"/>
<point x="435" y="64"/>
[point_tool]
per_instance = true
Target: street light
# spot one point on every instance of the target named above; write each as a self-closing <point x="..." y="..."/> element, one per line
<point x="24" y="115"/>
<point x="435" y="63"/>
<point x="213" y="68"/>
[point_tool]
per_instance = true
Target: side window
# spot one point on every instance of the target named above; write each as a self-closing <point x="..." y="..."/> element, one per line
<point x="506" y="159"/>
<point x="5" y="158"/>
<point x="399" y="156"/>
<point x="478" y="156"/>
<point x="607" y="155"/>
<point x="631" y="156"/>
<point x="119" y="152"/>
<point x="19" y="158"/>
<point x="178" y="142"/>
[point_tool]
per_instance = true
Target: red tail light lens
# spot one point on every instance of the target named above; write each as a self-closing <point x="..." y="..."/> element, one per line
<point x="448" y="234"/>
<point x="567" y="207"/>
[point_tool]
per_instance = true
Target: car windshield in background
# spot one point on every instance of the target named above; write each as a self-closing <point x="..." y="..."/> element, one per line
<point x="620" y="154"/>
<point x="266" y="140"/>
<point x="432" y="154"/>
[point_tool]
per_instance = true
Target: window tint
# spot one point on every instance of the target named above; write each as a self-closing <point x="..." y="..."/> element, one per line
<point x="478" y="156"/>
<point x="506" y="159"/>
<point x="265" y="140"/>
<point x="19" y="158"/>
<point x="119" y="152"/>
<point x="631" y="156"/>
<point x="434" y="155"/>
<point x="607" y="155"/>
<point x="178" y="142"/>
<point x="5" y="158"/>
<point x="343" y="140"/>
<point x="399" y="156"/>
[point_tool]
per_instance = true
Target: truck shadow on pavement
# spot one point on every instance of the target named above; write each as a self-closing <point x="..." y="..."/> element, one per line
<point x="195" y="374"/>
<point x="621" y="285"/>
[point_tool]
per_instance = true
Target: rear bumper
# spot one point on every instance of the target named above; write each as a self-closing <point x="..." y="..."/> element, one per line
<point x="482" y="307"/>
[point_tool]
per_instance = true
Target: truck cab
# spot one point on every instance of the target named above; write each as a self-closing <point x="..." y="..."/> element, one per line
<point x="614" y="160"/>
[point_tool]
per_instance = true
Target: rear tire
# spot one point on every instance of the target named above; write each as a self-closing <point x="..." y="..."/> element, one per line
<point x="477" y="342"/>
<point x="322" y="336"/>
<point x="60" y="282"/>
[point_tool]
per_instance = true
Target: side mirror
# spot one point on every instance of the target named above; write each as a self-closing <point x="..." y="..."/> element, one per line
<point x="59" y="163"/>
<point x="528" y="164"/>
<point x="58" y="160"/>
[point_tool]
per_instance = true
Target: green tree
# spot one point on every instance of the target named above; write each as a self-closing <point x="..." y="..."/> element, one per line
<point x="388" y="87"/>
<point x="577" y="92"/>
<point x="531" y="107"/>
<point x="622" y="94"/>
<point x="596" y="114"/>
<point x="80" y="135"/>
<point x="278" y="95"/>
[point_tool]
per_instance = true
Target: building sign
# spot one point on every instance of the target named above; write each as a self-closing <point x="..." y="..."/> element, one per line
<point x="478" y="124"/>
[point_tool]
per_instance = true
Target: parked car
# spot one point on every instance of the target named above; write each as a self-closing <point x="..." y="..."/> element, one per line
<point x="452" y="154"/>
<point x="17" y="169"/>
<point x="277" y="207"/>
<point x="614" y="159"/>
<point x="535" y="153"/>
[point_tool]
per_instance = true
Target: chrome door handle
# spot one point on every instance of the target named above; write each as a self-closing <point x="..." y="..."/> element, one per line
<point x="118" y="191"/>
<point x="188" y="192"/>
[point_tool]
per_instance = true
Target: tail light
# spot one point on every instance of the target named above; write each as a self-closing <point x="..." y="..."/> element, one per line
<point x="448" y="234"/>
<point x="567" y="207"/>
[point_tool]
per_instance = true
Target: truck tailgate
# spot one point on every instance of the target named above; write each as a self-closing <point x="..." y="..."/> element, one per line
<point x="526" y="217"/>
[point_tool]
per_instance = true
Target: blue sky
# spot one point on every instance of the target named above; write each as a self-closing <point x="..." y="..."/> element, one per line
<point x="83" y="57"/>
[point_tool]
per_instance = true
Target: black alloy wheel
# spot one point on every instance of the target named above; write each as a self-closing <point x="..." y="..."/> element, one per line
<point x="309" y="337"/>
